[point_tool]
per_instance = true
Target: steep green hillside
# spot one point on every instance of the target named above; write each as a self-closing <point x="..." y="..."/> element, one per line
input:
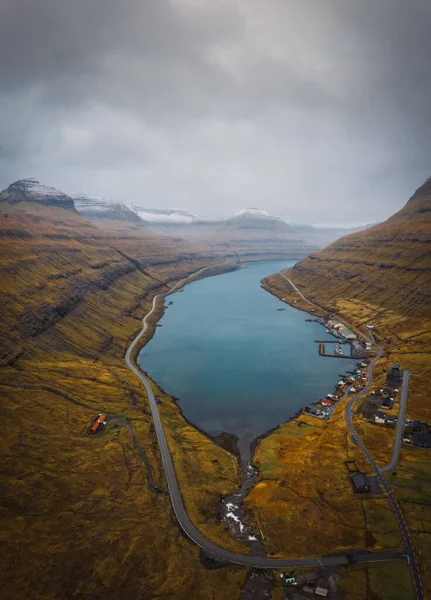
<point x="78" y="517"/>
<point x="382" y="277"/>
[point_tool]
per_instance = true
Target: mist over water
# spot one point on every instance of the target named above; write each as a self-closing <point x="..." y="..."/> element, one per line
<point x="235" y="362"/>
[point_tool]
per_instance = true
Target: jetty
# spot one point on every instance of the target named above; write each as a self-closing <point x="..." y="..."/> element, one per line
<point x="323" y="353"/>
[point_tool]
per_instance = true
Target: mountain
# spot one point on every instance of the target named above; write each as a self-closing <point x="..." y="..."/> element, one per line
<point x="30" y="190"/>
<point x="105" y="208"/>
<point x="379" y="277"/>
<point x="386" y="266"/>
<point x="72" y="298"/>
<point x="250" y="234"/>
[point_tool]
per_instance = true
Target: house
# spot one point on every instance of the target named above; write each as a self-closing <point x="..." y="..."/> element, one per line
<point x="391" y="421"/>
<point x="319" y="591"/>
<point x="98" y="424"/>
<point x="380" y="418"/>
<point x="326" y="402"/>
<point x="388" y="403"/>
<point x="360" y="483"/>
<point x="423" y="440"/>
<point x="395" y="372"/>
<point x="288" y="579"/>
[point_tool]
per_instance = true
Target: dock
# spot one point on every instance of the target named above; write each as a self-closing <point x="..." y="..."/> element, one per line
<point x="323" y="353"/>
<point x="331" y="341"/>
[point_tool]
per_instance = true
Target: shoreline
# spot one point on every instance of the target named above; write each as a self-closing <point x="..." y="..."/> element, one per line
<point x="226" y="440"/>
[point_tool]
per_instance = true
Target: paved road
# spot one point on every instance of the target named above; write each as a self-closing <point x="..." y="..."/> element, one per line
<point x="400" y="425"/>
<point x="185" y="523"/>
<point x="409" y="550"/>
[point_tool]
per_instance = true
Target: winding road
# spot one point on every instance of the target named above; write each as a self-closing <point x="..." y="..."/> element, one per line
<point x="212" y="549"/>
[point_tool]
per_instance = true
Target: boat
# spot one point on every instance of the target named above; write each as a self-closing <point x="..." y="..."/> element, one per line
<point x="338" y="351"/>
<point x="280" y="308"/>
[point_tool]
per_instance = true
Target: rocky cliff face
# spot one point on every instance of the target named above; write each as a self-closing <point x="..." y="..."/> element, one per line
<point x="30" y="190"/>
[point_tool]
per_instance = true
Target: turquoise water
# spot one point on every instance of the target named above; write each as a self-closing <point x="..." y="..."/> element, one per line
<point x="235" y="362"/>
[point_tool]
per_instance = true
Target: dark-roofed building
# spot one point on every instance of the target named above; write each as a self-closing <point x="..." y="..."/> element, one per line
<point x="423" y="440"/>
<point x="395" y="371"/>
<point x="387" y="403"/>
<point x="360" y="483"/>
<point x="371" y="406"/>
<point x="394" y="376"/>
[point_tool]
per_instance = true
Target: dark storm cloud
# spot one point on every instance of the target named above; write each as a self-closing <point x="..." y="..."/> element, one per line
<point x="314" y="111"/>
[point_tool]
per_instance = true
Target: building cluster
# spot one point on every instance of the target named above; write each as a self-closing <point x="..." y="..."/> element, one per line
<point x="352" y="383"/>
<point x="373" y="408"/>
<point x="355" y="381"/>
<point x="339" y="329"/>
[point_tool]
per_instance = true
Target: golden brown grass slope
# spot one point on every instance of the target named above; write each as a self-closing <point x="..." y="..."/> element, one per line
<point x="380" y="276"/>
<point x="78" y="518"/>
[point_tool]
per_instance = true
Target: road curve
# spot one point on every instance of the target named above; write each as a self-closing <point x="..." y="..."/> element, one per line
<point x="409" y="550"/>
<point x="185" y="523"/>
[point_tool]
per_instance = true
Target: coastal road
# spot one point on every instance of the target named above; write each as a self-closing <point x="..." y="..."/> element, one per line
<point x="210" y="548"/>
<point x="409" y="550"/>
<point x="400" y="425"/>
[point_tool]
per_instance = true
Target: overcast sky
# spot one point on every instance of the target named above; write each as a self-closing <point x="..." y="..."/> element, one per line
<point x="315" y="110"/>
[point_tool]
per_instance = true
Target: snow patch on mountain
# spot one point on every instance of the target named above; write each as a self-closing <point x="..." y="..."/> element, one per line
<point x="32" y="187"/>
<point x="253" y="212"/>
<point x="256" y="213"/>
<point x="96" y="203"/>
<point x="169" y="216"/>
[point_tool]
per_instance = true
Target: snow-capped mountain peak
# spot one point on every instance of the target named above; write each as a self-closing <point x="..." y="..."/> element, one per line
<point x="31" y="190"/>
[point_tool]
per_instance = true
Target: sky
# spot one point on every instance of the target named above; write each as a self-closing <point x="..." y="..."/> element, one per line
<point x="318" y="111"/>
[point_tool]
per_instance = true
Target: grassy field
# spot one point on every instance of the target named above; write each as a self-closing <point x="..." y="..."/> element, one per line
<point x="78" y="518"/>
<point x="303" y="501"/>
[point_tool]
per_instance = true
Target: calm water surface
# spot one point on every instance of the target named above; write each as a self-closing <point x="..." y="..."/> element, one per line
<point x="234" y="361"/>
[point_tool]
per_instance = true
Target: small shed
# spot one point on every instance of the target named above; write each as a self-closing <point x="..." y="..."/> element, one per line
<point x="98" y="424"/>
<point x="360" y="483"/>
<point x="319" y="591"/>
